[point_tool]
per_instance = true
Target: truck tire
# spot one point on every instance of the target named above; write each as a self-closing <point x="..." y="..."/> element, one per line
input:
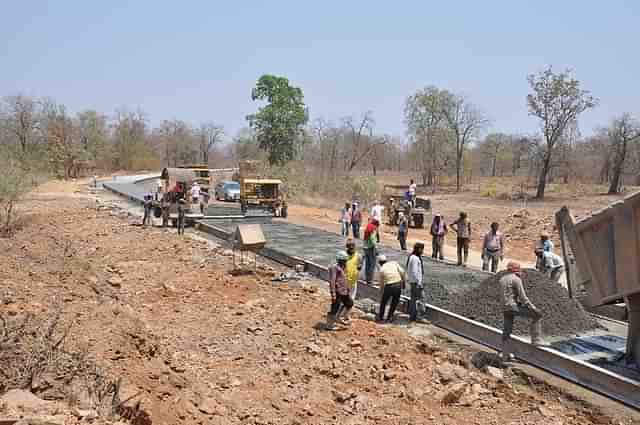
<point x="418" y="221"/>
<point x="283" y="211"/>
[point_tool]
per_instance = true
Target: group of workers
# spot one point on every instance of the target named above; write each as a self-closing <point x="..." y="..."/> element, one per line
<point x="176" y="196"/>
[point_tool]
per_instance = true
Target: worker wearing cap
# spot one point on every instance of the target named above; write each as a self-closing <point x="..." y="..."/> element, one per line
<point x="515" y="303"/>
<point x="339" y="290"/>
<point x="370" y="249"/>
<point x="392" y="282"/>
<point x="352" y="270"/>
<point x="415" y="277"/>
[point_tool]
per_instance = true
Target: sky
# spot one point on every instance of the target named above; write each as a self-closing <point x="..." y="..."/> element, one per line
<point x="198" y="60"/>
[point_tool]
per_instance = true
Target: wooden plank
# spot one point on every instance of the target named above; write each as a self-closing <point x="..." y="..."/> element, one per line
<point x="626" y="249"/>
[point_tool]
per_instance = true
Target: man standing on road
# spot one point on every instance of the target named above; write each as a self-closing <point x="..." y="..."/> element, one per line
<point x="412" y="193"/>
<point x="370" y="249"/>
<point x="492" y="248"/>
<point x="181" y="212"/>
<point x="352" y="270"/>
<point x="356" y="219"/>
<point x="552" y="264"/>
<point x="147" y="210"/>
<point x="403" y="230"/>
<point x="462" y="227"/>
<point x="339" y="291"/>
<point x="345" y="219"/>
<point x="438" y="232"/>
<point x="515" y="303"/>
<point x="392" y="282"/>
<point x="195" y="193"/>
<point x="415" y="276"/>
<point x="377" y="213"/>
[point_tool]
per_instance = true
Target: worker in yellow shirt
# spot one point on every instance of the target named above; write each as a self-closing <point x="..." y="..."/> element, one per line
<point x="392" y="282"/>
<point x="352" y="271"/>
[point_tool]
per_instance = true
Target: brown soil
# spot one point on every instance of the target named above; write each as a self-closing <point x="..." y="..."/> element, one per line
<point x="199" y="345"/>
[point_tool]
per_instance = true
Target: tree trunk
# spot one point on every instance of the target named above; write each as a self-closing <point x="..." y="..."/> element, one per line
<point x="493" y="166"/>
<point x="458" y="165"/>
<point x="205" y="157"/>
<point x="614" y="185"/>
<point x="542" y="181"/>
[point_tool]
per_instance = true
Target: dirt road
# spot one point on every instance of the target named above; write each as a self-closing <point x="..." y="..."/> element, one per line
<point x="195" y="344"/>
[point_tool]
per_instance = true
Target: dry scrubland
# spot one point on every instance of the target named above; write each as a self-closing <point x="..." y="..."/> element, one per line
<point x="145" y="327"/>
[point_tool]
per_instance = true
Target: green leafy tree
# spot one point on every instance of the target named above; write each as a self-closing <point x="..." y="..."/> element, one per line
<point x="278" y="125"/>
<point x="556" y="99"/>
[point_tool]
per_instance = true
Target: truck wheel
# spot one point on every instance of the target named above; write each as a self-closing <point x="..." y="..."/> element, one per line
<point x="283" y="211"/>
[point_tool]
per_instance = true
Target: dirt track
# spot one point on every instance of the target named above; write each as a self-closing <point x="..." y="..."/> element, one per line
<point x="202" y="346"/>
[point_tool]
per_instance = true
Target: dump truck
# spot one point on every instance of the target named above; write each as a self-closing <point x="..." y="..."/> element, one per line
<point x="601" y="253"/>
<point x="417" y="212"/>
<point x="258" y="192"/>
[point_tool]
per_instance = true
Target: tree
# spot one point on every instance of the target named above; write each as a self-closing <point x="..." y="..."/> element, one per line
<point x="64" y="150"/>
<point x="92" y="129"/>
<point x="465" y="121"/>
<point x="22" y="120"/>
<point x="360" y="142"/>
<point x="209" y="134"/>
<point x="280" y="123"/>
<point x="493" y="146"/>
<point x="557" y="100"/>
<point x="623" y="131"/>
<point x="129" y="131"/>
<point x="424" y="118"/>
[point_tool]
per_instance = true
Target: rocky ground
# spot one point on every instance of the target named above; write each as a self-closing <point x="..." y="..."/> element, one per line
<point x="139" y="325"/>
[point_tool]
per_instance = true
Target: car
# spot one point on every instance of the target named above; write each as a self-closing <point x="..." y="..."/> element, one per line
<point x="227" y="191"/>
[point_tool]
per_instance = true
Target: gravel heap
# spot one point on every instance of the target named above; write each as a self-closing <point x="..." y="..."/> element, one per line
<point x="561" y="315"/>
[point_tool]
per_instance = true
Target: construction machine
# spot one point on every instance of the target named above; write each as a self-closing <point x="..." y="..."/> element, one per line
<point x="601" y="252"/>
<point x="415" y="210"/>
<point x="258" y="192"/>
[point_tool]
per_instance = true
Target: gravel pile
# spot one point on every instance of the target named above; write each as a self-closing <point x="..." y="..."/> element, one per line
<point x="561" y="315"/>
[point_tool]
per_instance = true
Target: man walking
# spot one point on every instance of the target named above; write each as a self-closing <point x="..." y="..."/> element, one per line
<point x="339" y="291"/>
<point x="438" y="232"/>
<point x="181" y="212"/>
<point x="370" y="249"/>
<point x="392" y="282"/>
<point x="345" y="219"/>
<point x="492" y="248"/>
<point x="356" y="219"/>
<point x="462" y="227"/>
<point x="415" y="277"/>
<point x="515" y="303"/>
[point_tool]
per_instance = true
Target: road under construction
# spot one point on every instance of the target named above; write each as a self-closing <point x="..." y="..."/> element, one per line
<point x="591" y="358"/>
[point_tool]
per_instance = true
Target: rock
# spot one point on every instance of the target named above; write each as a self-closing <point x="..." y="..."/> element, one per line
<point x="21" y="400"/>
<point x="389" y="375"/>
<point x="313" y="348"/>
<point x="495" y="372"/>
<point x="355" y="343"/>
<point x="115" y="281"/>
<point x="210" y="406"/>
<point x="44" y="420"/>
<point x="446" y="373"/>
<point x="452" y="394"/>
<point x="545" y="412"/>
<point x="343" y="397"/>
<point x="86" y="414"/>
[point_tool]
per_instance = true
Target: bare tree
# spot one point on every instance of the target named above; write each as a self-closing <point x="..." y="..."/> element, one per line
<point x="360" y="139"/>
<point x="492" y="147"/>
<point x="209" y="135"/>
<point x="22" y="119"/>
<point x="623" y="131"/>
<point x="557" y="100"/>
<point x="465" y="121"/>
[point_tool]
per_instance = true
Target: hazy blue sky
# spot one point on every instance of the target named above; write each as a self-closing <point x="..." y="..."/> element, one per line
<point x="198" y="60"/>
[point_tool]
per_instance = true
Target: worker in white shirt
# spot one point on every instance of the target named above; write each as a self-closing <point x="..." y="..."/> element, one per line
<point x="377" y="212"/>
<point x="195" y="193"/>
<point x="415" y="276"/>
<point x="412" y="193"/>
<point x="552" y="264"/>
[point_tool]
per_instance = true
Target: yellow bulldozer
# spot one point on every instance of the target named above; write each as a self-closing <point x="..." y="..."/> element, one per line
<point x="259" y="192"/>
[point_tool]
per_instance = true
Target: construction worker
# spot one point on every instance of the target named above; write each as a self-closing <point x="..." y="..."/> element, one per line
<point x="147" y="210"/>
<point x="492" y="248"/>
<point x="339" y="291"/>
<point x="377" y="212"/>
<point x="438" y="231"/>
<point x="412" y="193"/>
<point x="159" y="188"/>
<point x="165" y="204"/>
<point x="352" y="270"/>
<point x="551" y="264"/>
<point x="195" y="193"/>
<point x="515" y="303"/>
<point x="415" y="277"/>
<point x="182" y="205"/>
<point x="392" y="282"/>
<point x="462" y="227"/>
<point x="370" y="249"/>
<point x="345" y="219"/>
<point x="356" y="219"/>
<point x="543" y="245"/>
<point x="403" y="230"/>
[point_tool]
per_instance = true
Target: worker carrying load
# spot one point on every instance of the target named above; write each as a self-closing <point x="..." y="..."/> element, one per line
<point x="550" y="263"/>
<point x="515" y="303"/>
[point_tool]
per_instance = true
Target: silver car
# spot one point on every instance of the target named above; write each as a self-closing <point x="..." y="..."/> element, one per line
<point x="227" y="191"/>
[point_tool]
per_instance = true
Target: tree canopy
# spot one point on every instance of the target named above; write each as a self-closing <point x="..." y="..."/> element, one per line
<point x="280" y="123"/>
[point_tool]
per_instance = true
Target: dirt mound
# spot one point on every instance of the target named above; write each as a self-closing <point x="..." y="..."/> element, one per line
<point x="561" y="314"/>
